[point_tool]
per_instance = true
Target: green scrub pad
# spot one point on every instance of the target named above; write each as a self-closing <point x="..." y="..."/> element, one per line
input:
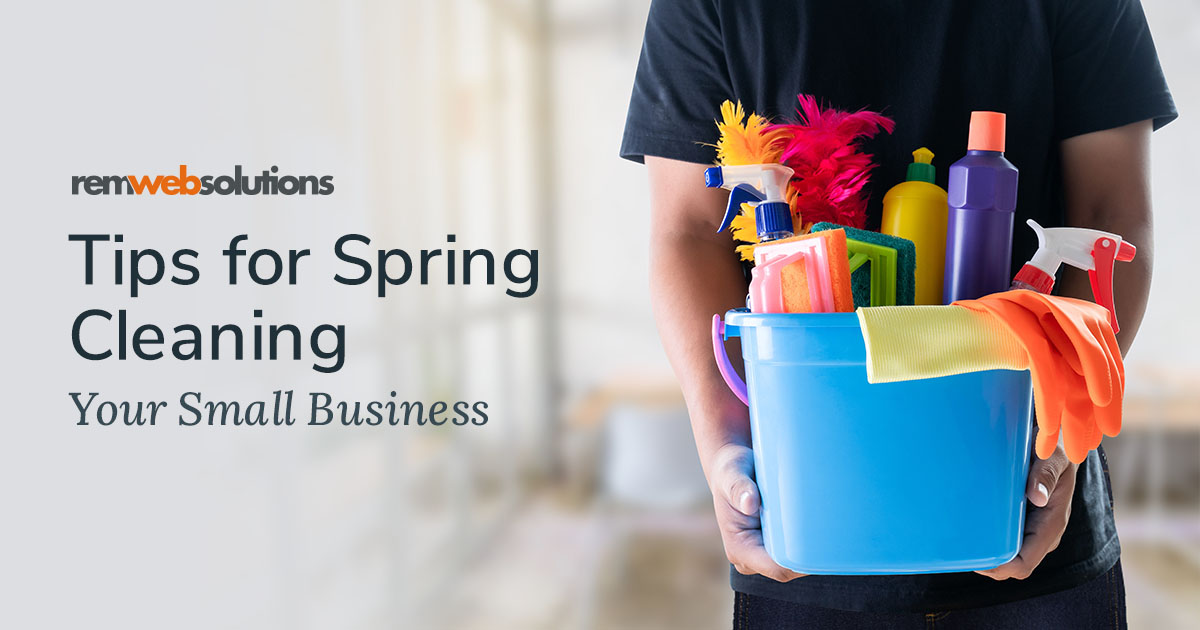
<point x="906" y="264"/>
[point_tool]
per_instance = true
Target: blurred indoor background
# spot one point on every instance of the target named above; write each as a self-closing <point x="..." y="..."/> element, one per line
<point x="581" y="504"/>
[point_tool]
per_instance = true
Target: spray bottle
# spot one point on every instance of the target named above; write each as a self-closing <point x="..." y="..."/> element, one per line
<point x="761" y="185"/>
<point x="982" y="201"/>
<point x="1093" y="251"/>
<point x="916" y="210"/>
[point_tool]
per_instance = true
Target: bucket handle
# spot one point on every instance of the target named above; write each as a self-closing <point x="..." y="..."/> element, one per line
<point x="735" y="382"/>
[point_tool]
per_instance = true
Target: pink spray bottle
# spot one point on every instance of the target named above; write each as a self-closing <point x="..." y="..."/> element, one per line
<point x="1093" y="251"/>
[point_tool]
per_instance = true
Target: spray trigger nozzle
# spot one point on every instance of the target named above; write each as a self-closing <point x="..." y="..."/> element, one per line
<point x="712" y="177"/>
<point x="756" y="184"/>
<point x="1092" y="251"/>
<point x="1126" y="251"/>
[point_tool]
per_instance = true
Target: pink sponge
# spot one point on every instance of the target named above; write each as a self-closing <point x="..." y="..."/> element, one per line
<point x="795" y="280"/>
<point x="802" y="274"/>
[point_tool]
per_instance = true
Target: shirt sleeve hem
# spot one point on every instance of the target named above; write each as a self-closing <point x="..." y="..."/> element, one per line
<point x="1159" y="107"/>
<point x="636" y="146"/>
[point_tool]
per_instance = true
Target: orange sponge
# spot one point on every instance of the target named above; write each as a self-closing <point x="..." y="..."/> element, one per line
<point x="794" y="278"/>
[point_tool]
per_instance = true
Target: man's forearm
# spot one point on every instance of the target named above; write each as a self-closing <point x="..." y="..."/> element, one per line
<point x="1106" y="180"/>
<point x="690" y="280"/>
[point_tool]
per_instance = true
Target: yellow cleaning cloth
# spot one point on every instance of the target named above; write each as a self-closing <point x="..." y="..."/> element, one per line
<point x="905" y="343"/>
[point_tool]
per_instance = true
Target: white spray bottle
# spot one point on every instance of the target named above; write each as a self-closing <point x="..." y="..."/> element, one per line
<point x="761" y="185"/>
<point x="1093" y="251"/>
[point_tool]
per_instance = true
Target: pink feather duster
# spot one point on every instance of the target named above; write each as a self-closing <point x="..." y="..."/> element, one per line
<point x="822" y="147"/>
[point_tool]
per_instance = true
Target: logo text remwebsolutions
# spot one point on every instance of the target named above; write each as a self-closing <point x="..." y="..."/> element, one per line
<point x="268" y="182"/>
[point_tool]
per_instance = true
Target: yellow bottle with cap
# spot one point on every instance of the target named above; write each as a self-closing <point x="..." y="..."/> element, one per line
<point x="916" y="210"/>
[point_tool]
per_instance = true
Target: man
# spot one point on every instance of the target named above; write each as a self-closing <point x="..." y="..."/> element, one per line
<point x="1082" y="87"/>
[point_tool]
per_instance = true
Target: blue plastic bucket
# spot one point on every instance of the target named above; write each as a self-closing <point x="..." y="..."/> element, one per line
<point x="922" y="476"/>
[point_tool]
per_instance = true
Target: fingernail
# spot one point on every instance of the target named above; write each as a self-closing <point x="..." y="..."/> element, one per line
<point x="1044" y="490"/>
<point x="744" y="503"/>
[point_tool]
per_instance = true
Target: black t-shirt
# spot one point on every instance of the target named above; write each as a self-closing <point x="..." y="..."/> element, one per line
<point x="1058" y="68"/>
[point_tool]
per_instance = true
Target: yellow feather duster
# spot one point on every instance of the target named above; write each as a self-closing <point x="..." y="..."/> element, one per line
<point x="750" y="143"/>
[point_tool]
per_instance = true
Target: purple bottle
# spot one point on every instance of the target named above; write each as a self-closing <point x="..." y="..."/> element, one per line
<point x="983" y="198"/>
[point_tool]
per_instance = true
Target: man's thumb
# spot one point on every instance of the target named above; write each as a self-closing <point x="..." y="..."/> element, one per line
<point x="742" y="494"/>
<point x="1043" y="477"/>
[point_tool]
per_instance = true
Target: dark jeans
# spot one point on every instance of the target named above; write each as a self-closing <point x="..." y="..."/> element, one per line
<point x="1096" y="605"/>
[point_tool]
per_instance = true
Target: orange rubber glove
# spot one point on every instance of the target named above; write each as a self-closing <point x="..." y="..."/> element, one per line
<point x="1078" y="374"/>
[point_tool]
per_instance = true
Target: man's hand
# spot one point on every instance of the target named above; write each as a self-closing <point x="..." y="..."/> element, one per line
<point x="735" y="496"/>
<point x="1050" y="489"/>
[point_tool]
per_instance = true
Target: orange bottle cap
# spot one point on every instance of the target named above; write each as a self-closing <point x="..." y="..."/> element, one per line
<point x="987" y="132"/>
